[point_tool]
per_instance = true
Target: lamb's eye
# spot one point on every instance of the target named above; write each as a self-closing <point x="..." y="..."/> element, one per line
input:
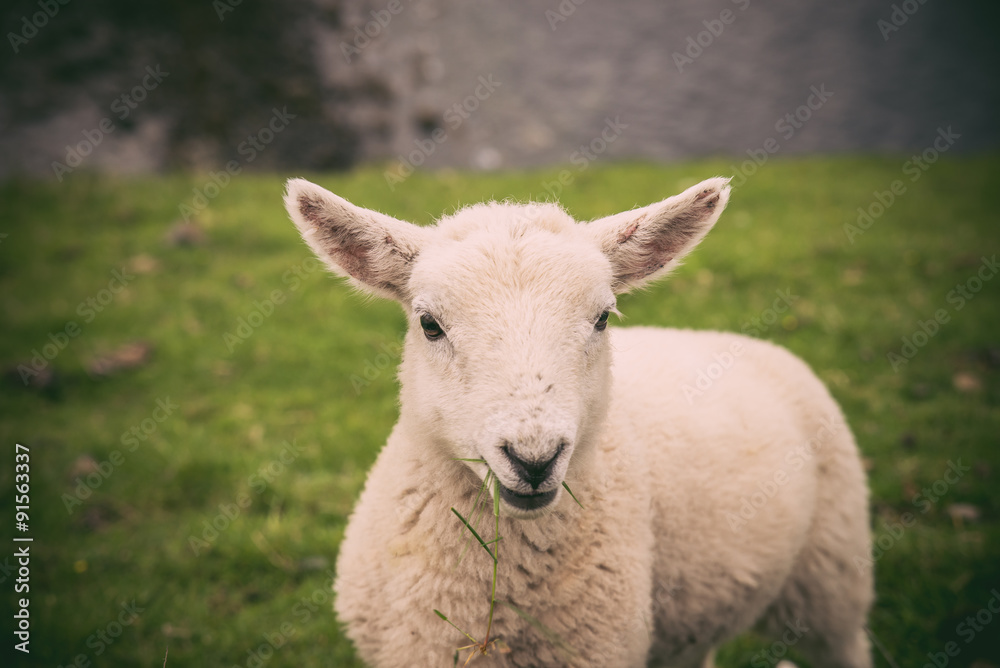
<point x="602" y="322"/>
<point x="432" y="330"/>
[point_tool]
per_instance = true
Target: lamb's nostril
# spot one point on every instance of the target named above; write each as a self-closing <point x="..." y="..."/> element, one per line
<point x="532" y="472"/>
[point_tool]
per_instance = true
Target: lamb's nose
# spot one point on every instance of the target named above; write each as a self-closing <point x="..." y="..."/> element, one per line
<point x="532" y="472"/>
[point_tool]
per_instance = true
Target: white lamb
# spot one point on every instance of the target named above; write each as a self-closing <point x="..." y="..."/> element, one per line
<point x="746" y="505"/>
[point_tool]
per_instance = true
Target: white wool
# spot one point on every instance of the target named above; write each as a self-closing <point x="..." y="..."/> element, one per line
<point x="703" y="516"/>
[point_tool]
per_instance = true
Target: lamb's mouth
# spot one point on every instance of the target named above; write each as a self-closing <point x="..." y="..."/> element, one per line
<point x="528" y="501"/>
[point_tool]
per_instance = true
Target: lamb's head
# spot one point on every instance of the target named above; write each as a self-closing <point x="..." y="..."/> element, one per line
<point x="506" y="359"/>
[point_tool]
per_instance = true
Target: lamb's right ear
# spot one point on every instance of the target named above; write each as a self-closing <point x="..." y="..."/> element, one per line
<point x="375" y="250"/>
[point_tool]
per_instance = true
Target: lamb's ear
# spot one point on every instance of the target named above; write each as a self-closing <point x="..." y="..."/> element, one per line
<point x="645" y="244"/>
<point x="374" y="250"/>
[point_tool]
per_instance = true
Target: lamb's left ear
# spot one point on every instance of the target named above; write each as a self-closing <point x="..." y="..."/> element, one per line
<point x="645" y="244"/>
<point x="373" y="249"/>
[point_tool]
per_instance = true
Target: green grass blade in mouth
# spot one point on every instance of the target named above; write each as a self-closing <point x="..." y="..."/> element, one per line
<point x="572" y="494"/>
<point x="496" y="557"/>
<point x="475" y="514"/>
<point x="496" y="498"/>
<point x="469" y="527"/>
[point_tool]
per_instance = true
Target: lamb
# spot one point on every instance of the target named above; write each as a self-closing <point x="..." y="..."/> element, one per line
<point x="693" y="520"/>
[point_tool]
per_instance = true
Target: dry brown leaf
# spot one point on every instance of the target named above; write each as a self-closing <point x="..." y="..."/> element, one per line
<point x="966" y="382"/>
<point x="128" y="356"/>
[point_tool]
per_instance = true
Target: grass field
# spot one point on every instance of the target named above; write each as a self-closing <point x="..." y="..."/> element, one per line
<point x="267" y="388"/>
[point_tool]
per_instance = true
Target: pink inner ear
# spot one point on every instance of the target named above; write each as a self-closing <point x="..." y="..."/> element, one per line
<point x="347" y="249"/>
<point x="627" y="233"/>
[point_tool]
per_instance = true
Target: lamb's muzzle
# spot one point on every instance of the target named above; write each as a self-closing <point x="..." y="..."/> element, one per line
<point x="533" y="472"/>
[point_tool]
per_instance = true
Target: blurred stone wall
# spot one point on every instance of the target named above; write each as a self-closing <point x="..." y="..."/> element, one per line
<point x="687" y="77"/>
<point x="486" y="83"/>
<point x="147" y="86"/>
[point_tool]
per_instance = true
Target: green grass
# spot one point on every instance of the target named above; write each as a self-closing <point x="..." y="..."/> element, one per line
<point x="318" y="373"/>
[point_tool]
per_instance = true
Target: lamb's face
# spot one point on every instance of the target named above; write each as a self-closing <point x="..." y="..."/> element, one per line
<point x="507" y="358"/>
